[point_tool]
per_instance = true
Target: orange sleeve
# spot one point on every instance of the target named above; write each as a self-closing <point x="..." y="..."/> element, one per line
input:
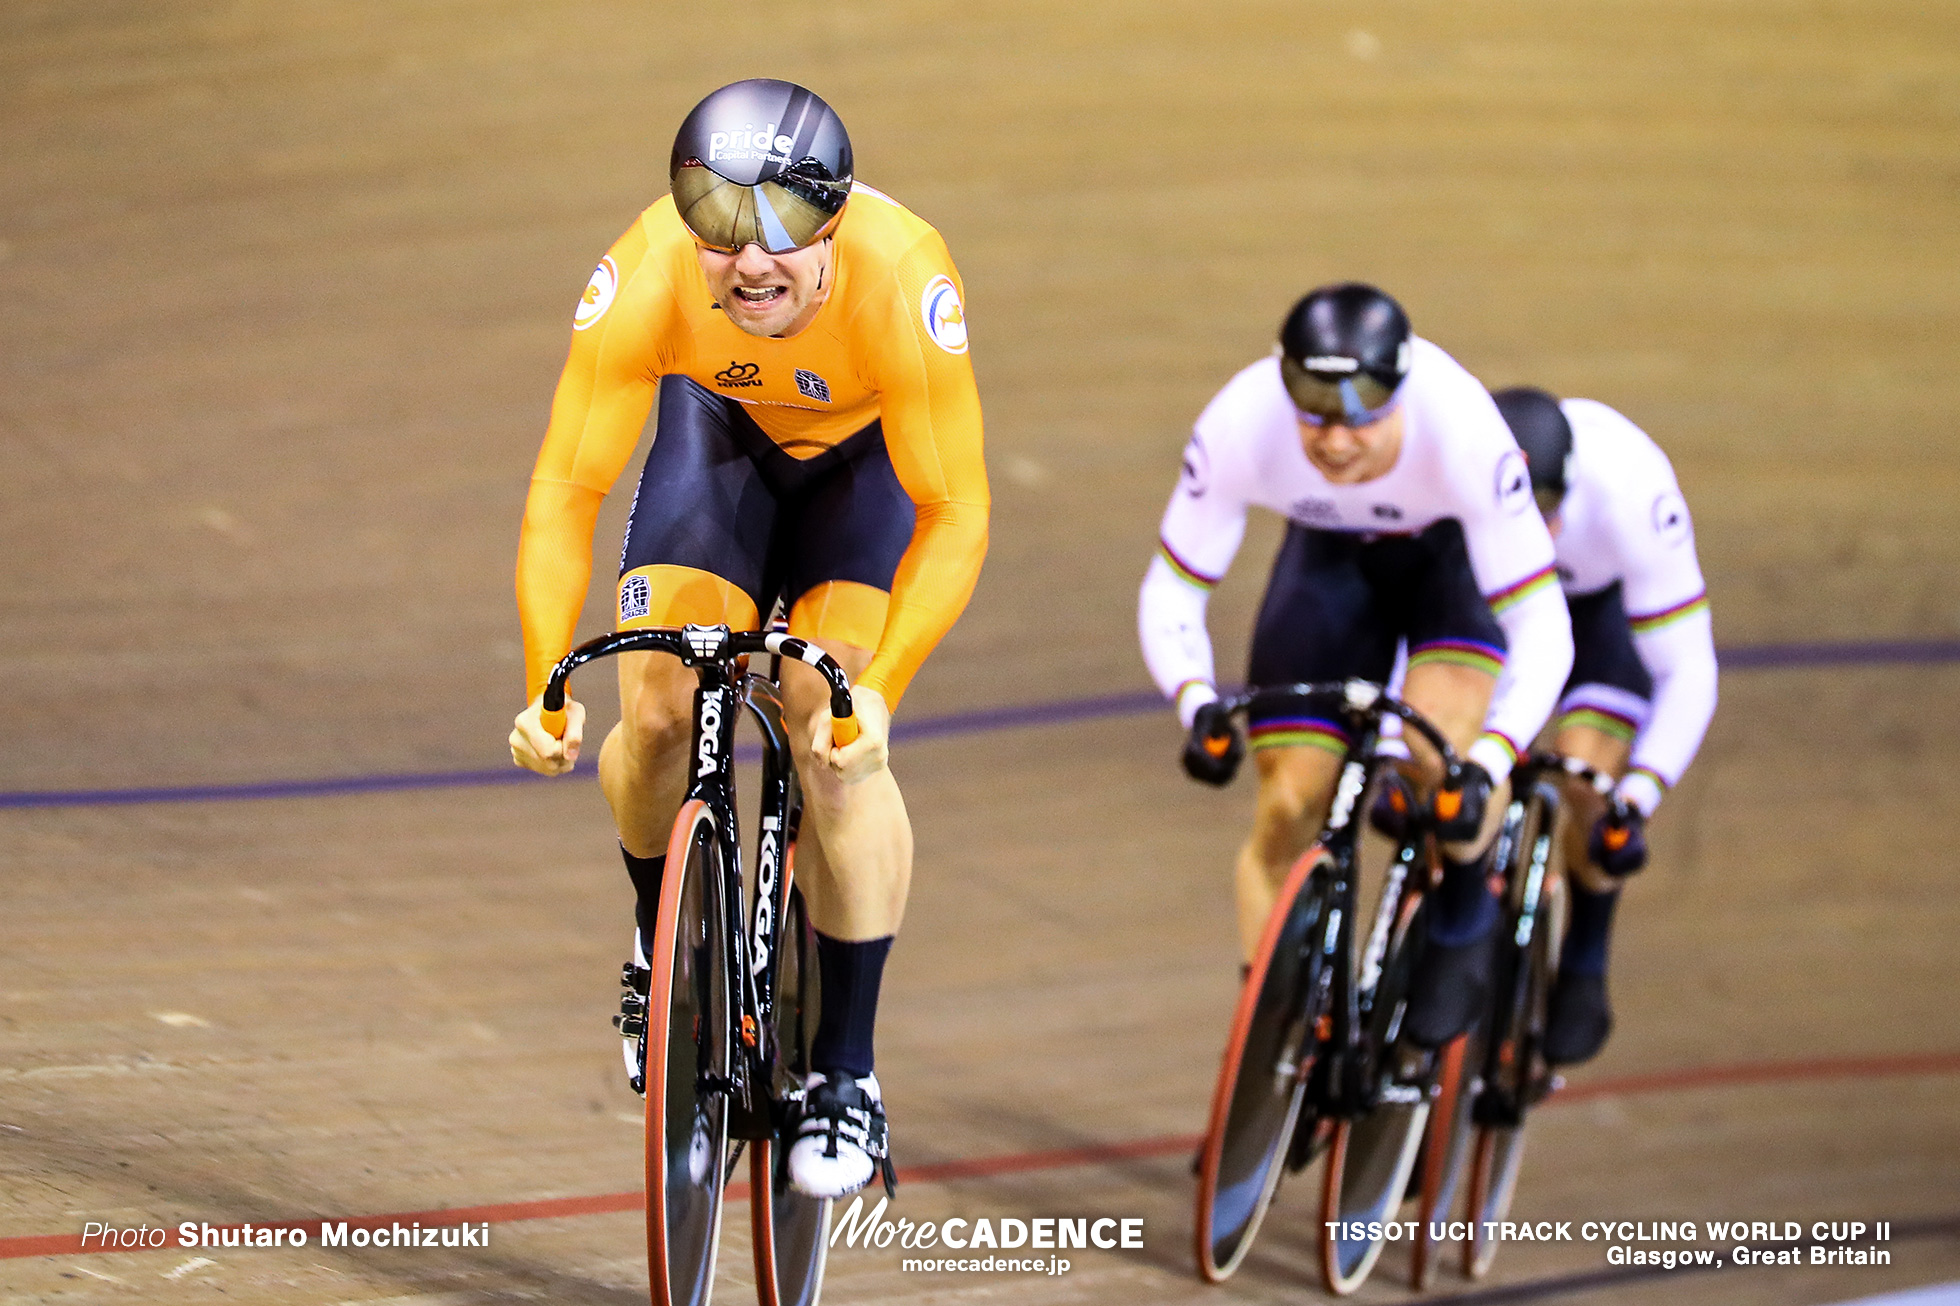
<point x="930" y="409"/>
<point x="597" y="414"/>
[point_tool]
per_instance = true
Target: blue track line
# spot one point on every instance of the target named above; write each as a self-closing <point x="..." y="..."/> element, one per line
<point x="1747" y="657"/>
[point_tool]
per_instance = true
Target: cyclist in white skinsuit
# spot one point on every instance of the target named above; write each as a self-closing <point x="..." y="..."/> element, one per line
<point x="1642" y="689"/>
<point x="1411" y="519"/>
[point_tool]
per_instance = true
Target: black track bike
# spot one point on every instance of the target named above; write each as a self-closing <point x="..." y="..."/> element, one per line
<point x="732" y="1005"/>
<point x="1504" y="1073"/>
<point x="1315" y="1063"/>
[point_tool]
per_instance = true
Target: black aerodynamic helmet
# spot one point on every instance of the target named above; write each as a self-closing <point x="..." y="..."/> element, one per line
<point x="1343" y="352"/>
<point x="1539" y="426"/>
<point x="761" y="162"/>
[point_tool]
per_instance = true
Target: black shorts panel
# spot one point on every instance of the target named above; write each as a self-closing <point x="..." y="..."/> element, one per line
<point x="1338" y="605"/>
<point x="718" y="495"/>
<point x="1602" y="644"/>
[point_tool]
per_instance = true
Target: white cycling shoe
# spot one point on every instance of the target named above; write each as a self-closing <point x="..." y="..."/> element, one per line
<point x="841" y="1141"/>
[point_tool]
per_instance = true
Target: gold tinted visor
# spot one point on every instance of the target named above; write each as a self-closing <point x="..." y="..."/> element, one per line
<point x="779" y="215"/>
<point x="1352" y="399"/>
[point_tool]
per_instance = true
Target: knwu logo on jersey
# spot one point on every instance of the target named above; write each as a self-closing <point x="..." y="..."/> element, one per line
<point x="737" y="376"/>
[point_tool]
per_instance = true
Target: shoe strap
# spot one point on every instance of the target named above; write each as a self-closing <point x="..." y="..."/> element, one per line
<point x="847" y="1114"/>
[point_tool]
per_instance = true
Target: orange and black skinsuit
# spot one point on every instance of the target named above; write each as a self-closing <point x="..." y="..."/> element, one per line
<point x="884" y="360"/>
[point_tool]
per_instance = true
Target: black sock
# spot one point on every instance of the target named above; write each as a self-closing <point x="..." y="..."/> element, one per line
<point x="851" y="972"/>
<point x="1588" y="932"/>
<point x="646" y="873"/>
<point x="1464" y="908"/>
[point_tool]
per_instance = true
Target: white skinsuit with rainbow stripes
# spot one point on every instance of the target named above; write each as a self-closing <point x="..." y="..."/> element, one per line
<point x="1457" y="462"/>
<point x="1623" y="520"/>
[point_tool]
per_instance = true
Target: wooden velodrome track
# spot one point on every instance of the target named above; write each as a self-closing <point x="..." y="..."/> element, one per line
<point x="283" y="292"/>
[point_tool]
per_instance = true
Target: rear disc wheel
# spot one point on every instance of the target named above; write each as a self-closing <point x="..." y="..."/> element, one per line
<point x="1447" y="1143"/>
<point x="790" y="1229"/>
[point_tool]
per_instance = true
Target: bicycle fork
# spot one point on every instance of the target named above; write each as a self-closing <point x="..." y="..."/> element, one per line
<point x="718" y="704"/>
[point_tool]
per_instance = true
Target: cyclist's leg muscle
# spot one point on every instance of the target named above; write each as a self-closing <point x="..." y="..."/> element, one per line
<point x="841" y="612"/>
<point x="854" y="852"/>
<point x="1296" y="785"/>
<point x="1454" y="698"/>
<point x="1456" y="651"/>
<point x="846" y="528"/>
<point x="696" y="550"/>
<point x="643" y="765"/>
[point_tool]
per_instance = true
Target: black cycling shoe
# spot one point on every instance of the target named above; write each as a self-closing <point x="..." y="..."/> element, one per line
<point x="1450" y="989"/>
<point x="1579" y="1019"/>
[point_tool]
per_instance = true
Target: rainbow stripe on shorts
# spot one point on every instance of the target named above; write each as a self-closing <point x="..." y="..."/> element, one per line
<point x="1606" y="721"/>
<point x="1478" y="656"/>
<point x="1298" y="732"/>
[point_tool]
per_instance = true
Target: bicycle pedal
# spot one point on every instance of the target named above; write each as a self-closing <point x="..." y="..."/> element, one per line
<point x="631" y="1022"/>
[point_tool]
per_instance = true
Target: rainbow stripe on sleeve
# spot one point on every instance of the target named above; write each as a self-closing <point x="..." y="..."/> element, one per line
<point x="1504" y="742"/>
<point x="1657" y="777"/>
<point x="1183" y="570"/>
<point x="1512" y="595"/>
<point x="1652" y="621"/>
<point x="1487" y="658"/>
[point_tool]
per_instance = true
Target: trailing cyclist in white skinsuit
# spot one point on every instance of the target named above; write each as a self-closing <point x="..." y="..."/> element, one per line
<point x="1642" y="689"/>
<point x="1410" y="519"/>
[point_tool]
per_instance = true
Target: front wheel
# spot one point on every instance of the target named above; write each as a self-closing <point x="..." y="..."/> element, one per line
<point x="1372" y="1156"/>
<point x="688" y="1051"/>
<point x="1262" y="1081"/>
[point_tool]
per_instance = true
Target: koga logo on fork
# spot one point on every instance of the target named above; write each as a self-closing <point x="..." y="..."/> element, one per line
<point x="710" y="733"/>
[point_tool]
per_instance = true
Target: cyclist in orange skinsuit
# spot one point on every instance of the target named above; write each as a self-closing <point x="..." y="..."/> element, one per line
<point x="818" y="442"/>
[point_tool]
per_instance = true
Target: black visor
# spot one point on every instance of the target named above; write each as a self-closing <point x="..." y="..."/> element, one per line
<point x="1341" y="392"/>
<point x="790" y="211"/>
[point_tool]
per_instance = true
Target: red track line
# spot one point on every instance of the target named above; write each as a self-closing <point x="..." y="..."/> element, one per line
<point x="1666" y="1081"/>
<point x="1765" y="1072"/>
